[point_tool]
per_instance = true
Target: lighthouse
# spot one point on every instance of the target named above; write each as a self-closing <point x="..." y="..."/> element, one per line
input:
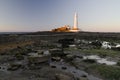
<point x="67" y="28"/>
<point x="75" y="27"/>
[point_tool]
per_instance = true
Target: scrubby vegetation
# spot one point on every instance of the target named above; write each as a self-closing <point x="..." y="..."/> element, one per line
<point x="9" y="46"/>
<point x="101" y="52"/>
<point x="107" y="72"/>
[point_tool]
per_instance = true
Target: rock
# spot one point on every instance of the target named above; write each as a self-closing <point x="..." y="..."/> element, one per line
<point x="63" y="77"/>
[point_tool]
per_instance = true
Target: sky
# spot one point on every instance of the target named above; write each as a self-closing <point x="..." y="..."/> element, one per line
<point x="44" y="15"/>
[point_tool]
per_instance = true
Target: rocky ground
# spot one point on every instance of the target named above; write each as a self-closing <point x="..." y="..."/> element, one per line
<point x="64" y="62"/>
<point x="14" y="65"/>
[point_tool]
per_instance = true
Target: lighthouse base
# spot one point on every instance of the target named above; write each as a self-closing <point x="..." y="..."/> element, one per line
<point x="74" y="30"/>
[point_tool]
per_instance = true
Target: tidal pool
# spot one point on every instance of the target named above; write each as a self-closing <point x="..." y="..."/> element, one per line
<point x="100" y="60"/>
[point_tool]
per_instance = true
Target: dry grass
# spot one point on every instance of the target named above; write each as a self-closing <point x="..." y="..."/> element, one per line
<point x="8" y="46"/>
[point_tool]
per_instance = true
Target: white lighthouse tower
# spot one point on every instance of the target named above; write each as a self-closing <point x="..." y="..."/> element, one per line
<point x="75" y="27"/>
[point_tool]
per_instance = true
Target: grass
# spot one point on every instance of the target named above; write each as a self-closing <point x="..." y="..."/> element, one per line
<point x="107" y="72"/>
<point x="8" y="46"/>
<point x="100" y="52"/>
